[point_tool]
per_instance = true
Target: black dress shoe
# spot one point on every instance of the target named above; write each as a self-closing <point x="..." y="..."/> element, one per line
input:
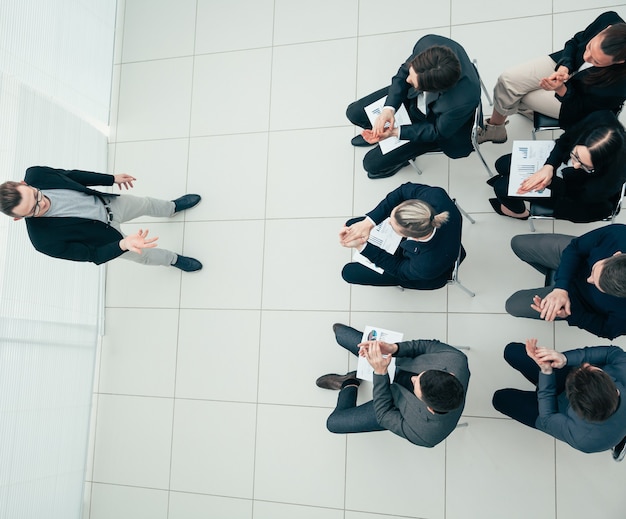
<point x="335" y="382"/>
<point x="495" y="203"/>
<point x="187" y="264"/>
<point x="186" y="202"/>
<point x="359" y="141"/>
<point x="387" y="172"/>
<point x="619" y="451"/>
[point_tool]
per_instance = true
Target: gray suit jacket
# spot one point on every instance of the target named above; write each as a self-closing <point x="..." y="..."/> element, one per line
<point x="400" y="411"/>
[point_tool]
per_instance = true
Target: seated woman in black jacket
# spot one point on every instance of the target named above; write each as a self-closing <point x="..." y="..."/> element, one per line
<point x="595" y="152"/>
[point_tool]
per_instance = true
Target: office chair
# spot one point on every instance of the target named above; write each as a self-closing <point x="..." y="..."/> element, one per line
<point x="539" y="212"/>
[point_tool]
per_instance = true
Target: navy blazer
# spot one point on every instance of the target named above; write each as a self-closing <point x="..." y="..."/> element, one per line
<point x="72" y="238"/>
<point x="582" y="99"/>
<point x="432" y="260"/>
<point x="558" y="419"/>
<point x="450" y="116"/>
<point x="602" y="314"/>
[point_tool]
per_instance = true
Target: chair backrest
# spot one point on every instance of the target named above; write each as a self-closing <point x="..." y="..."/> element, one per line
<point x="482" y="85"/>
<point x="618" y="205"/>
<point x="454" y="276"/>
<point x="543" y="122"/>
<point x="478" y="124"/>
<point x="538" y="212"/>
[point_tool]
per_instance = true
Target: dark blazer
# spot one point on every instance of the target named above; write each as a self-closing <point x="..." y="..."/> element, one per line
<point x="432" y="260"/>
<point x="602" y="314"/>
<point x="579" y="196"/>
<point x="400" y="411"/>
<point x="76" y="239"/>
<point x="581" y="99"/>
<point x="557" y="418"/>
<point x="450" y="116"/>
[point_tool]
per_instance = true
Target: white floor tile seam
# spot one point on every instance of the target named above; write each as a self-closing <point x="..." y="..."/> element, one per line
<point x="221" y="400"/>
<point x="200" y="136"/>
<point x="516" y="18"/>
<point x="429" y="312"/>
<point x="141" y="141"/>
<point x="115" y="307"/>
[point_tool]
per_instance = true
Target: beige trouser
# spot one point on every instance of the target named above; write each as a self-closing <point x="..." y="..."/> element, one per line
<point x="518" y="89"/>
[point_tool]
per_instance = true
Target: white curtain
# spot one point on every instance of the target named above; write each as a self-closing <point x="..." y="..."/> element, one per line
<point x="56" y="59"/>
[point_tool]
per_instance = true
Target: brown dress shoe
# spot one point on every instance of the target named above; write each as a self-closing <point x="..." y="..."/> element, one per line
<point x="334" y="381"/>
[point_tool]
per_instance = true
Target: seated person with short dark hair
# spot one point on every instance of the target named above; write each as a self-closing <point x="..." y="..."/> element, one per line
<point x="589" y="286"/>
<point x="578" y="396"/>
<point x="439" y="86"/>
<point x="431" y="223"/>
<point x="588" y="189"/>
<point x="425" y="400"/>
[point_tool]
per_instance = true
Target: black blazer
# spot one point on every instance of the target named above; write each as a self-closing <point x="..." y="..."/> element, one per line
<point x="449" y="120"/>
<point x="579" y="196"/>
<point x="581" y="99"/>
<point x="71" y="238"/>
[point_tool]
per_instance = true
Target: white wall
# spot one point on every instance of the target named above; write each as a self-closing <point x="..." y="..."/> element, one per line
<point x="55" y="75"/>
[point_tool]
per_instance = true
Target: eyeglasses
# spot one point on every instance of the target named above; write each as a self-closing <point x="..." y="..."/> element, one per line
<point x="575" y="158"/>
<point x="38" y="199"/>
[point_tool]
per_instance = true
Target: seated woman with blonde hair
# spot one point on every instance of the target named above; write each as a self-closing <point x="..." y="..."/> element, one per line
<point x="430" y="223"/>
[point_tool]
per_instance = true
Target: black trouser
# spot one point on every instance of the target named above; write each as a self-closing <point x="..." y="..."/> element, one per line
<point x="501" y="189"/>
<point x="523" y="405"/>
<point x="374" y="161"/>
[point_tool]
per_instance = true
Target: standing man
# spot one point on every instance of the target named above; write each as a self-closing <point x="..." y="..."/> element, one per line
<point x="67" y="219"/>
<point x="425" y="401"/>
<point x="589" y="286"/>
<point x="440" y="88"/>
<point x="578" y="396"/>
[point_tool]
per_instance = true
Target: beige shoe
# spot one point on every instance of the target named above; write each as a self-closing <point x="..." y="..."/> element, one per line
<point x="495" y="133"/>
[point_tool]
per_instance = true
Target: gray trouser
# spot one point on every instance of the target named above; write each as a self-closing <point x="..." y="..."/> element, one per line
<point x="542" y="252"/>
<point x="129" y="207"/>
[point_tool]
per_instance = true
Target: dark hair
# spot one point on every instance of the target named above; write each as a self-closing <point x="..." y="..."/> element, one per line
<point x="603" y="142"/>
<point x="591" y="393"/>
<point x="437" y="68"/>
<point x="441" y="390"/>
<point x="614" y="45"/>
<point x="612" y="279"/>
<point x="10" y="197"/>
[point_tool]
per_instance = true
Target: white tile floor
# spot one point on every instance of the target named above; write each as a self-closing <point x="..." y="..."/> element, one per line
<point x="205" y="396"/>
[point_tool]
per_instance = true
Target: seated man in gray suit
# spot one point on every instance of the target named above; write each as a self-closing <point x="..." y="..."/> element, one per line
<point x="423" y="404"/>
<point x="440" y="88"/>
<point x="578" y="395"/>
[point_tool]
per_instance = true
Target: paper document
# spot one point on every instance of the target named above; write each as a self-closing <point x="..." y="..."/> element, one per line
<point x="371" y="333"/>
<point x="527" y="157"/>
<point x="401" y="117"/>
<point x="384" y="237"/>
